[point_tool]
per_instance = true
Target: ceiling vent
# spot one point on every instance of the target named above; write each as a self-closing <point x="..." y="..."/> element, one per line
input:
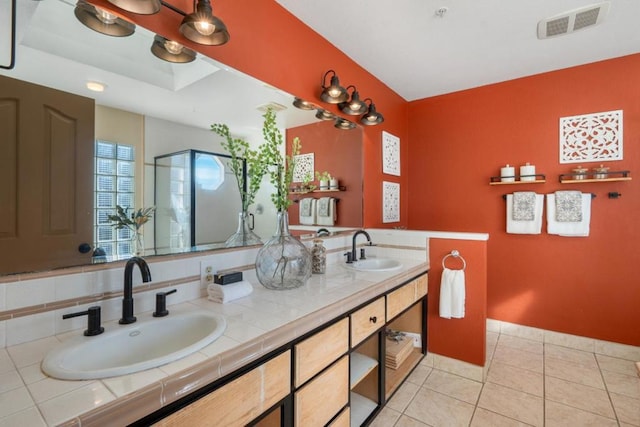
<point x="271" y="106"/>
<point x="573" y="20"/>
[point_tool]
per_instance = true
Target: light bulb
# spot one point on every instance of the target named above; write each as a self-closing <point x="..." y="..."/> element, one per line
<point x="105" y="17"/>
<point x="172" y="47"/>
<point x="205" y="28"/>
<point x="334" y="92"/>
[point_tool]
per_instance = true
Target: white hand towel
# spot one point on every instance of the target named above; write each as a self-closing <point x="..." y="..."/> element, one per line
<point x="565" y="228"/>
<point x="452" y="294"/>
<point x="308" y="211"/>
<point x="326" y="211"/>
<point x="227" y="293"/>
<point x="525" y="227"/>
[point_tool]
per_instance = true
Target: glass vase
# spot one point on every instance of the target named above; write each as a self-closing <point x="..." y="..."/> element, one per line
<point x="137" y="243"/>
<point x="243" y="236"/>
<point x="283" y="262"/>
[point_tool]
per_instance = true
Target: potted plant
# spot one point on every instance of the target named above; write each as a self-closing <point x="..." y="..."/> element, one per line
<point x="134" y="222"/>
<point x="306" y="183"/>
<point x="323" y="179"/>
<point x="283" y="262"/>
<point x="248" y="183"/>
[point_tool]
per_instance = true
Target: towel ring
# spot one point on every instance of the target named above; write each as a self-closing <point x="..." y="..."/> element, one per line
<point x="454" y="253"/>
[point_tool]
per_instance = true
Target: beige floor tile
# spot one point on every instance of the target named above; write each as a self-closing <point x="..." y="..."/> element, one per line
<point x="579" y="396"/>
<point x="614" y="364"/>
<point x="627" y="409"/>
<point x="403" y="396"/>
<point x="571" y="341"/>
<point x="519" y="358"/>
<point x="570" y="355"/>
<point x="516" y="378"/>
<point x="573" y="372"/>
<point x="484" y="418"/>
<point x="559" y="415"/>
<point x="520" y="344"/>
<point x="622" y="384"/>
<point x="419" y="374"/>
<point x="622" y="351"/>
<point x="436" y="409"/>
<point x="512" y="403"/>
<point x="387" y="417"/>
<point x="454" y="386"/>
<point x="405" y="421"/>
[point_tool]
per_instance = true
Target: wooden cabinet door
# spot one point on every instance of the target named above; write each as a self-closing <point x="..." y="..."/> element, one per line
<point x="46" y="176"/>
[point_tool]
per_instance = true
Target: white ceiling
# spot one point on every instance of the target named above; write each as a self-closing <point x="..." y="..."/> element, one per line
<point x="418" y="54"/>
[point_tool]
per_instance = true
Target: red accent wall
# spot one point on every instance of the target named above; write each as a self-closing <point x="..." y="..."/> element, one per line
<point x="269" y="43"/>
<point x="340" y="153"/>
<point x="470" y="341"/>
<point x="584" y="286"/>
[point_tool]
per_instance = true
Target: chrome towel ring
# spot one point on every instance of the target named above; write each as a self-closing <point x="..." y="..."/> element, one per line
<point x="454" y="253"/>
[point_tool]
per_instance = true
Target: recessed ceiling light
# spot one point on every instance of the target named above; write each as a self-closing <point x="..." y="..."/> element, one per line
<point x="96" y="86"/>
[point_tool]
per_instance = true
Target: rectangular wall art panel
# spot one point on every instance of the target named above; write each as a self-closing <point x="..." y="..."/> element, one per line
<point x="593" y="137"/>
<point x="390" y="201"/>
<point x="390" y="154"/>
<point x="304" y="167"/>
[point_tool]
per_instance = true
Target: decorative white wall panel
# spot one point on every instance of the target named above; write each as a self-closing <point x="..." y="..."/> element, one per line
<point x="304" y="165"/>
<point x="390" y="154"/>
<point x="390" y="201"/>
<point x="591" y="137"/>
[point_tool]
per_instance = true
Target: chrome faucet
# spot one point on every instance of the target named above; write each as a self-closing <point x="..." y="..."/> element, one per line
<point x="354" y="254"/>
<point x="127" y="302"/>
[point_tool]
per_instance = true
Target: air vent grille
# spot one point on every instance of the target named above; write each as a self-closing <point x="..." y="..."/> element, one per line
<point x="271" y="105"/>
<point x="572" y="20"/>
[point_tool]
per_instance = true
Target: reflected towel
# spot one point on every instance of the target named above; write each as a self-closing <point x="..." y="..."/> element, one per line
<point x="307" y="211"/>
<point x="524" y="204"/>
<point x="525" y="227"/>
<point x="573" y="228"/>
<point x="227" y="293"/>
<point x="326" y="211"/>
<point x="452" y="294"/>
<point x="568" y="206"/>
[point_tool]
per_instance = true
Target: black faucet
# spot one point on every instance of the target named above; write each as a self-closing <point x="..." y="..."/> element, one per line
<point x="354" y="254"/>
<point x="127" y="302"/>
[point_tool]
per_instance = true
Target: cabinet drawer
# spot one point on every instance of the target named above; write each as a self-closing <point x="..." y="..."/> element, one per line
<point x="343" y="420"/>
<point x="319" y="351"/>
<point x="422" y="286"/>
<point x="241" y="400"/>
<point x="400" y="299"/>
<point x="321" y="399"/>
<point x="366" y="321"/>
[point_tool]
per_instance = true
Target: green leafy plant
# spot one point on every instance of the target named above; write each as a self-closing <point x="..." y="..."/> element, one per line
<point x="134" y="220"/>
<point x="306" y="182"/>
<point x="323" y="176"/>
<point x="240" y="152"/>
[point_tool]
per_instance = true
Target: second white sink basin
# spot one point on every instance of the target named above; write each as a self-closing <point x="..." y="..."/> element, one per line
<point x="125" y="349"/>
<point x="375" y="264"/>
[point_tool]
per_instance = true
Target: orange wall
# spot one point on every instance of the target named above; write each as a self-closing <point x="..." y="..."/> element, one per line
<point x="583" y="286"/>
<point x="272" y="45"/>
<point x="338" y="152"/>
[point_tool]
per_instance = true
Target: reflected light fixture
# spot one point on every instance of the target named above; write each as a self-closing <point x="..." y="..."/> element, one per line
<point x="204" y="28"/>
<point x="171" y="51"/>
<point x="96" y="86"/>
<point x="344" y="124"/>
<point x="102" y="21"/>
<point x="142" y="7"/>
<point x="325" y="115"/>
<point x="353" y="107"/>
<point x="334" y="93"/>
<point x="371" y="117"/>
<point x="302" y="104"/>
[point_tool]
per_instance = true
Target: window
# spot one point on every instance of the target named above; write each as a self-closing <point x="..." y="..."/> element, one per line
<point x="114" y="185"/>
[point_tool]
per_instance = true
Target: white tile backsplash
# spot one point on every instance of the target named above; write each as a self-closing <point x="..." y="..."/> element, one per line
<point x="29" y="292"/>
<point x="29" y="328"/>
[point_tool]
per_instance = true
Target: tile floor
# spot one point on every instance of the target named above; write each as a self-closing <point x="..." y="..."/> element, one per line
<point x="529" y="383"/>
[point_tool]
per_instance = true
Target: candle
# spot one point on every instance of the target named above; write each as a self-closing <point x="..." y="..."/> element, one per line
<point x="507" y="174"/>
<point x="527" y="172"/>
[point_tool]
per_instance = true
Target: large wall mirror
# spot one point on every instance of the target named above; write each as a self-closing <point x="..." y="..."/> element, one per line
<point x="156" y="107"/>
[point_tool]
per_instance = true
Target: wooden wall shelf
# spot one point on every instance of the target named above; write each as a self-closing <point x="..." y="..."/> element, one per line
<point x="497" y="180"/>
<point x="569" y="178"/>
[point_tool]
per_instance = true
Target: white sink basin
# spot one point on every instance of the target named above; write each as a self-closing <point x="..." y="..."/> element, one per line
<point x="375" y="264"/>
<point x="124" y="349"/>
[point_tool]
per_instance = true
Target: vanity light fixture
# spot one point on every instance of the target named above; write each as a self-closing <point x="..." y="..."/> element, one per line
<point x="204" y="28"/>
<point x="371" y="117"/>
<point x="141" y="7"/>
<point x="303" y="105"/>
<point x="334" y="93"/>
<point x="325" y="115"/>
<point x="102" y="21"/>
<point x="344" y="124"/>
<point x="171" y="51"/>
<point x="353" y="107"/>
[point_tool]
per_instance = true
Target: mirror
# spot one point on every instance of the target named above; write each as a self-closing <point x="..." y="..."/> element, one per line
<point x="168" y="107"/>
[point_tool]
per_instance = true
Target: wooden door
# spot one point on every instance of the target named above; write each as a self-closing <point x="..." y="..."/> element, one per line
<point x="46" y="177"/>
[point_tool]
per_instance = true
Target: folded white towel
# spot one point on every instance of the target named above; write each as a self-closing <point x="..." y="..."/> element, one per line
<point x="452" y="294"/>
<point x="307" y="211"/>
<point x="569" y="228"/>
<point x="525" y="227"/>
<point x="326" y="211"/>
<point x="226" y="293"/>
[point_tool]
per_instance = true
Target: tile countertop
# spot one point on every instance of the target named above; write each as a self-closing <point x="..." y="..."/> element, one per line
<point x="256" y="325"/>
